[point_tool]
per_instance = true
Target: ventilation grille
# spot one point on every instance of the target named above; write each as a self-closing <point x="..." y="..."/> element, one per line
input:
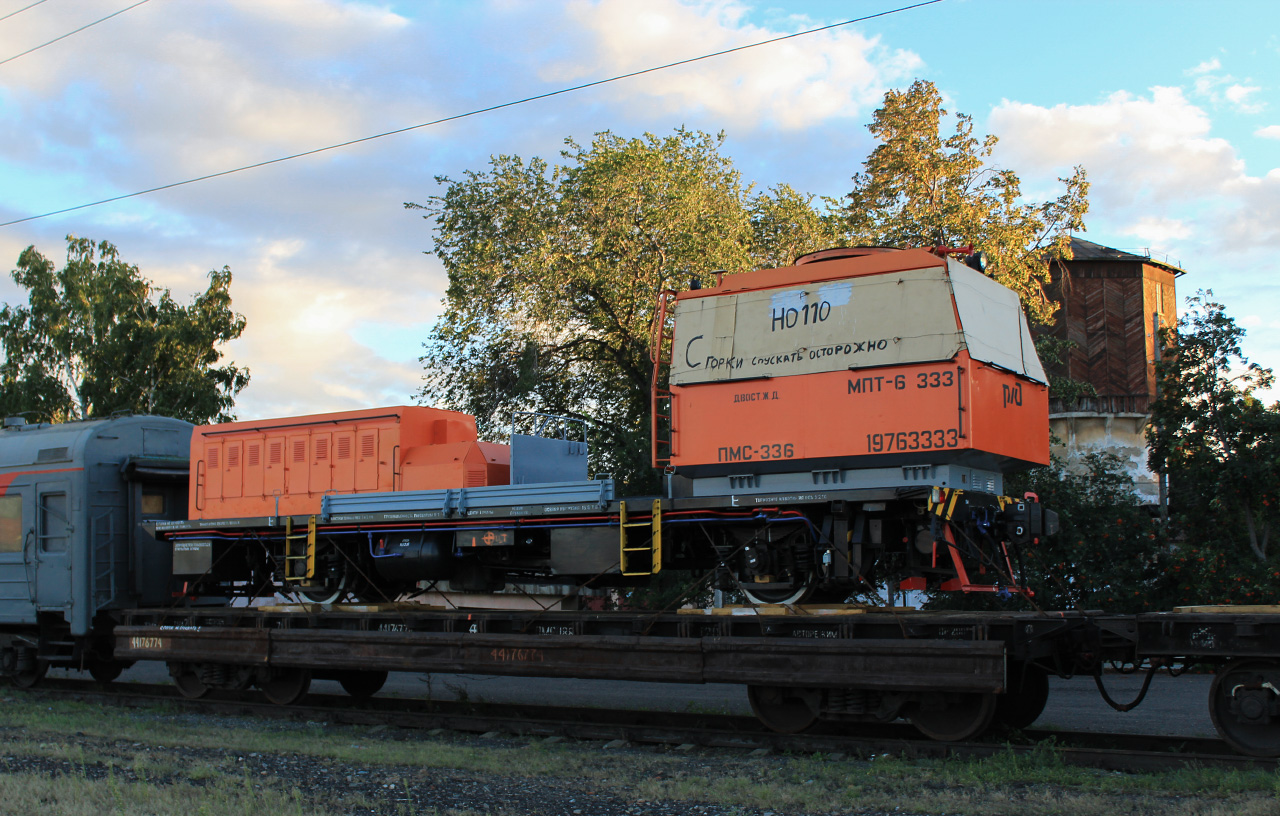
<point x="322" y="449"/>
<point x="275" y="453"/>
<point x="368" y="446"/>
<point x="51" y="454"/>
<point x="344" y="447"/>
<point x="255" y="455"/>
<point x="300" y="450"/>
<point x="233" y="457"/>
<point x="211" y="456"/>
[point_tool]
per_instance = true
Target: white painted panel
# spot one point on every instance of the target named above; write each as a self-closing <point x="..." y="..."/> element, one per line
<point x="887" y="319"/>
<point x="995" y="327"/>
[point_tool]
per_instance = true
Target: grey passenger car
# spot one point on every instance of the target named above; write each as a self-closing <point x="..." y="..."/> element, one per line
<point x="72" y="546"/>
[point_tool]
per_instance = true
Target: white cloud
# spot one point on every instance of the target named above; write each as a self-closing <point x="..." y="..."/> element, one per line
<point x="1205" y="67"/>
<point x="1218" y="88"/>
<point x="1268" y="132"/>
<point x="1157" y="231"/>
<point x="1239" y="95"/>
<point x="796" y="84"/>
<point x="1141" y="148"/>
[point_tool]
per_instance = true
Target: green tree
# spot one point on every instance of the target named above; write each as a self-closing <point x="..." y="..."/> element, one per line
<point x="785" y="224"/>
<point x="95" y="338"/>
<point x="919" y="188"/>
<point x="1220" y="446"/>
<point x="554" y="274"/>
<point x="1108" y="553"/>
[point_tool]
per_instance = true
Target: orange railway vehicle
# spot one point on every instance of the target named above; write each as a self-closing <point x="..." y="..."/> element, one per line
<point x="283" y="467"/>
<point x="854" y="359"/>
<point x="836" y="425"/>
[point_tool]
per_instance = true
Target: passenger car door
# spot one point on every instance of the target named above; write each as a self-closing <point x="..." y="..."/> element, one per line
<point x="52" y="552"/>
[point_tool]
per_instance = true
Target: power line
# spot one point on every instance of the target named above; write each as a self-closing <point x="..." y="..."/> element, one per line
<point x="458" y="116"/>
<point x="19" y="11"/>
<point x="69" y="33"/>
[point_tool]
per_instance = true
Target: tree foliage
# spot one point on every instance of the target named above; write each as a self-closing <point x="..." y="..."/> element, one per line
<point x="1220" y="446"/>
<point x="554" y="273"/>
<point x="920" y="188"/>
<point x="96" y="338"/>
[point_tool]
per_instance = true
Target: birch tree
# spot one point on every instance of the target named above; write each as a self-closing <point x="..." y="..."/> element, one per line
<point x="96" y="337"/>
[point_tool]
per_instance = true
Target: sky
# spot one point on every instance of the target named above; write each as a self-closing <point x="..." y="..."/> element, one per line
<point x="1173" y="108"/>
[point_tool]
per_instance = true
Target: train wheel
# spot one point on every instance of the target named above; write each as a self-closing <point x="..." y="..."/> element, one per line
<point x="325" y="594"/>
<point x="188" y="681"/>
<point x="362" y="683"/>
<point x="1025" y="700"/>
<point x="1244" y="702"/>
<point x="781" y="709"/>
<point x="28" y="677"/>
<point x="953" y="717"/>
<point x="285" y="686"/>
<point x="797" y="590"/>
<point x="104" y="671"/>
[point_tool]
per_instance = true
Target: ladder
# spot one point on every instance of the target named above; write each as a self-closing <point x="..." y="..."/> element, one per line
<point x="640" y="554"/>
<point x="299" y="551"/>
<point x="661" y="400"/>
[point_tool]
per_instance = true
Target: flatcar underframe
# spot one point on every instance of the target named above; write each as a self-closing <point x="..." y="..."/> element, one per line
<point x="783" y="548"/>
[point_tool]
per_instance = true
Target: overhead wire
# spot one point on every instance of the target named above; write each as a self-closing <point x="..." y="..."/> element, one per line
<point x="19" y="11"/>
<point x="69" y="33"/>
<point x="455" y="117"/>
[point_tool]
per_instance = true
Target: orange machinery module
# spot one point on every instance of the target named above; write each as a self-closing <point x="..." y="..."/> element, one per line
<point x="285" y="466"/>
<point x="855" y="358"/>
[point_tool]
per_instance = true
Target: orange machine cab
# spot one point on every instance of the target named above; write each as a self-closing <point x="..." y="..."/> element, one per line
<point x="284" y="466"/>
<point x="855" y="359"/>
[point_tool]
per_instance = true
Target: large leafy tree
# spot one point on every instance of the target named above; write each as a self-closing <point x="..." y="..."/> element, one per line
<point x="1220" y="446"/>
<point x="920" y="187"/>
<point x="95" y="337"/>
<point x="554" y="273"/>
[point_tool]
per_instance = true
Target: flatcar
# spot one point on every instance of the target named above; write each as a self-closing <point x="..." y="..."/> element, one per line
<point x="823" y="429"/>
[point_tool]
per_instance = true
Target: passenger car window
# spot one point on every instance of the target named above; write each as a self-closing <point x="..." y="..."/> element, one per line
<point x="53" y="522"/>
<point x="10" y="524"/>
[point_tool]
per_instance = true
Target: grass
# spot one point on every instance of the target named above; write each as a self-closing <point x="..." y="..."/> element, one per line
<point x="122" y="761"/>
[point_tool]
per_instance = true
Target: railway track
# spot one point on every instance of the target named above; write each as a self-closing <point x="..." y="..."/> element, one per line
<point x="1118" y="752"/>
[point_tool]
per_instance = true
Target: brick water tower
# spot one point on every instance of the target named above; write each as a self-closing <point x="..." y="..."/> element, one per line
<point x="1113" y="303"/>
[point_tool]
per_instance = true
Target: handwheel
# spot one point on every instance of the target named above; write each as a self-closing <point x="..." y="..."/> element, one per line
<point x="285" y="686"/>
<point x="1244" y="703"/>
<point x="188" y="681"/>
<point x="953" y="717"/>
<point x="1025" y="700"/>
<point x="781" y="709"/>
<point x="362" y="683"/>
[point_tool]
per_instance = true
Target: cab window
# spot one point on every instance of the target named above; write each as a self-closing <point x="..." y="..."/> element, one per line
<point x="153" y="504"/>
